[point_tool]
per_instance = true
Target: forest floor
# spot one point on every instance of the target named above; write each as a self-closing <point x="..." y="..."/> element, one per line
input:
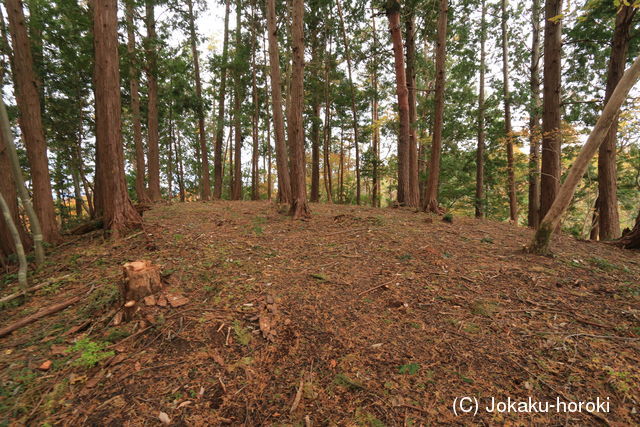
<point x="359" y="316"/>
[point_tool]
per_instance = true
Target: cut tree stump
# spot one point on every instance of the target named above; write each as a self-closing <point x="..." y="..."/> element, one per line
<point x="141" y="279"/>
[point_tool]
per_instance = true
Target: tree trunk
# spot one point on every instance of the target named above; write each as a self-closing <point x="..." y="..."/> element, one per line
<point x="118" y="212"/>
<point x="238" y="96"/>
<point x="17" y="242"/>
<point x="10" y="149"/>
<point x="29" y="106"/>
<point x="205" y="187"/>
<point x="631" y="240"/>
<point x="431" y="198"/>
<point x="315" y="123"/>
<point x="295" y="127"/>
<point x="8" y="189"/>
<point x="479" y="202"/>
<point x="180" y="168"/>
<point x="255" y="177"/>
<point x="134" y="87"/>
<point x="326" y="163"/>
<point x="607" y="174"/>
<point x="513" y="201"/>
<point x="375" y="135"/>
<point x="534" y="120"/>
<point x="393" y="14"/>
<point x="551" y="132"/>
<point x="412" y="198"/>
<point x="218" y="160"/>
<point x="551" y="221"/>
<point x="354" y="111"/>
<point x="284" y="179"/>
<point x="152" y="108"/>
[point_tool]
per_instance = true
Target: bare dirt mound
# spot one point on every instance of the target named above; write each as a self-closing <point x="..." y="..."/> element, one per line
<point x="358" y="316"/>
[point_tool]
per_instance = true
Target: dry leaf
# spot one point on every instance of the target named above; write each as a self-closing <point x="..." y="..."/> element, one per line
<point x="45" y="365"/>
<point x="185" y="403"/>
<point x="164" y="418"/>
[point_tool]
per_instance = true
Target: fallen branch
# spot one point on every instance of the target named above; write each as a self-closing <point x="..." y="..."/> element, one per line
<point x="31" y="289"/>
<point x="296" y="400"/>
<point x="376" y="287"/>
<point x="38" y="315"/>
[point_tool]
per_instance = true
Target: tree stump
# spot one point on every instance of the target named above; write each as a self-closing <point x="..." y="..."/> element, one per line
<point x="141" y="279"/>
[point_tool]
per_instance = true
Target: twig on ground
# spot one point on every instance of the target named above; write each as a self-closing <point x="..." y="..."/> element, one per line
<point x="376" y="287"/>
<point x="296" y="400"/>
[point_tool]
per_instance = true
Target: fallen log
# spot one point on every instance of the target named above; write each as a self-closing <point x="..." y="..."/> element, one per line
<point x="87" y="227"/>
<point x="31" y="289"/>
<point x="38" y="315"/>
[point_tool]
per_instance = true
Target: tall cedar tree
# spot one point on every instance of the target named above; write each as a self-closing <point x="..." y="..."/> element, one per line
<point x="238" y="93"/>
<point x="205" y="185"/>
<point x="479" y="199"/>
<point x="153" y="136"/>
<point x="392" y="9"/>
<point x="551" y="135"/>
<point x="282" y="165"/>
<point x="412" y="197"/>
<point x="609" y="220"/>
<point x="299" y="206"/>
<point x="375" y="135"/>
<point x="255" y="171"/>
<point x="218" y="160"/>
<point x="352" y="96"/>
<point x="119" y="214"/>
<point x="29" y="106"/>
<point x="513" y="202"/>
<point x="134" y="87"/>
<point x="431" y="198"/>
<point x="534" y="119"/>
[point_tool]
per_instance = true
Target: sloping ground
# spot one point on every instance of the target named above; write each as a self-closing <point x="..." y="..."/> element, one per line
<point x="359" y="316"/>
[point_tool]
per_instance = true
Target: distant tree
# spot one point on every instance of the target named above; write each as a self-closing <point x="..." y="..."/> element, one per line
<point x="153" y="137"/>
<point x="218" y="160"/>
<point x="513" y="202"/>
<point x="533" y="217"/>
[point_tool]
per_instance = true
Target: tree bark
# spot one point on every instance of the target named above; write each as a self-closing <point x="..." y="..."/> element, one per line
<point x="152" y="108"/>
<point x="631" y="240"/>
<point x="431" y="198"/>
<point x="392" y="9"/>
<point x="551" y="132"/>
<point x="375" y="135"/>
<point x="354" y="111"/>
<point x="10" y="150"/>
<point x="326" y="163"/>
<point x="29" y="106"/>
<point x="479" y="201"/>
<point x="533" y="217"/>
<point x="295" y="127"/>
<point x="609" y="220"/>
<point x="218" y="160"/>
<point x="412" y="198"/>
<point x="238" y="96"/>
<point x="513" y="201"/>
<point x="118" y="212"/>
<point x="551" y="221"/>
<point x="17" y="242"/>
<point x="284" y="179"/>
<point x="205" y="187"/>
<point x="134" y="87"/>
<point x="315" y="109"/>
<point x="255" y="177"/>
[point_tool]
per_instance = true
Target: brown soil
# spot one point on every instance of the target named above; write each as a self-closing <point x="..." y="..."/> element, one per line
<point x="359" y="316"/>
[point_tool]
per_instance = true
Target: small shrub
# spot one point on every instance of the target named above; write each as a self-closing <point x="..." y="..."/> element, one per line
<point x="91" y="352"/>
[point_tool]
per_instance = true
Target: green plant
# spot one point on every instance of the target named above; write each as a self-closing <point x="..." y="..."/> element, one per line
<point x="90" y="352"/>
<point x="242" y="334"/>
<point x="448" y="218"/>
<point x="103" y="297"/>
<point x="409" y="368"/>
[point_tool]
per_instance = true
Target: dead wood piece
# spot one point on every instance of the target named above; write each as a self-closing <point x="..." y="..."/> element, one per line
<point x="38" y="315"/>
<point x="141" y="279"/>
<point x="31" y="289"/>
<point x="87" y="227"/>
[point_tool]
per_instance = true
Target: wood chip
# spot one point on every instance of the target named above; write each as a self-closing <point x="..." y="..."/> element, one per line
<point x="150" y="300"/>
<point x="45" y="365"/>
<point x="177" y="300"/>
<point x="164" y="418"/>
